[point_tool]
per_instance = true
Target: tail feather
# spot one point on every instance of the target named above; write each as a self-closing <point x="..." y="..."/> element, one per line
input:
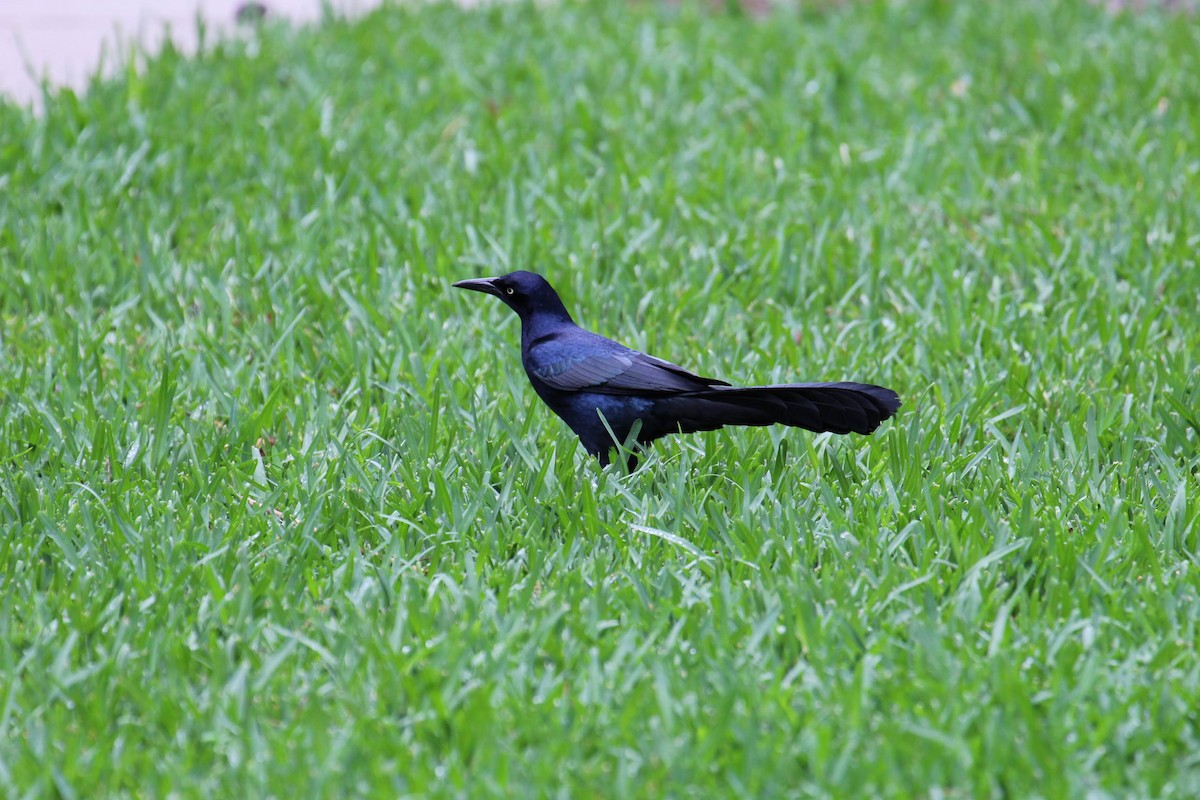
<point x="822" y="407"/>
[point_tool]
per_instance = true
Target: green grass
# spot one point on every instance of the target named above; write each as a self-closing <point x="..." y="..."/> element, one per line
<point x="282" y="517"/>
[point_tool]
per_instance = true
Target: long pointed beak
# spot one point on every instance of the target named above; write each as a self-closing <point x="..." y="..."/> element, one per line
<point x="484" y="285"/>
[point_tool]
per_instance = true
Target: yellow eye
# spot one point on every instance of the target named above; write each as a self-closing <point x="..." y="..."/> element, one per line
<point x="511" y="290"/>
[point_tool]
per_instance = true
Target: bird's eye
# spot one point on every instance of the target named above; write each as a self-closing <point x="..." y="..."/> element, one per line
<point x="510" y="290"/>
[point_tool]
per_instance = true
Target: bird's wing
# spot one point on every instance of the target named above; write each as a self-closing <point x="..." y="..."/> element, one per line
<point x="603" y="366"/>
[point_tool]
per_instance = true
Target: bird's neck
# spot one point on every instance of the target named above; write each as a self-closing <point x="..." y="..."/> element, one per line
<point x="544" y="321"/>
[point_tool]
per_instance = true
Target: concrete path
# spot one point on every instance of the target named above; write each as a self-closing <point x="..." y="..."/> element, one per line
<point x="65" y="40"/>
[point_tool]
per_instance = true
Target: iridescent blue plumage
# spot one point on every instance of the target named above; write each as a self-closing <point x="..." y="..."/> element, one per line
<point x="583" y="376"/>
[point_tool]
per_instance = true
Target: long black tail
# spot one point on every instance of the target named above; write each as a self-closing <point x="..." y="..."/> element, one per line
<point x="833" y="407"/>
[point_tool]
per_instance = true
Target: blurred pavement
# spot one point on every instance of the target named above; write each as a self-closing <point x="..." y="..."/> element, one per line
<point x="66" y="40"/>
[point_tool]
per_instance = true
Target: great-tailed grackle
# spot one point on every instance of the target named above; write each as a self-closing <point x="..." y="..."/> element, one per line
<point x="582" y="375"/>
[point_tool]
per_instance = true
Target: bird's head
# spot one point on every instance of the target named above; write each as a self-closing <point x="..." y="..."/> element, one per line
<point x="526" y="293"/>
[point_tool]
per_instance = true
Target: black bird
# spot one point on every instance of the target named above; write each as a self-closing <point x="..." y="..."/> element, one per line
<point x="582" y="375"/>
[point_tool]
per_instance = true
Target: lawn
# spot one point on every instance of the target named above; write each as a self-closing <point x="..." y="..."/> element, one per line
<point x="282" y="517"/>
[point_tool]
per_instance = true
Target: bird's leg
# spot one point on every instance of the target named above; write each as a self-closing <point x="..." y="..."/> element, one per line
<point x="605" y="457"/>
<point x="626" y="448"/>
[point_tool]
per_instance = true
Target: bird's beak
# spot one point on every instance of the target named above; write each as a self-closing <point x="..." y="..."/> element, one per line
<point x="485" y="285"/>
